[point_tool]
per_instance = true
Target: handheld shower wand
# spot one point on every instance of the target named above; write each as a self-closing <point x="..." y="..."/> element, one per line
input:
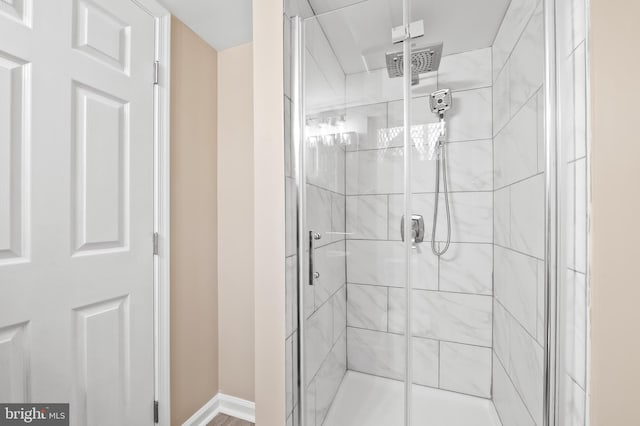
<point x="440" y="102"/>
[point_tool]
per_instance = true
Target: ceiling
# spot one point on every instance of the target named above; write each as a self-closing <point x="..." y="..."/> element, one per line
<point x="221" y="23"/>
<point x="360" y="34"/>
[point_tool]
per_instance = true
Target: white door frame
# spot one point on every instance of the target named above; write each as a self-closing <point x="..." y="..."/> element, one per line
<point x="162" y="169"/>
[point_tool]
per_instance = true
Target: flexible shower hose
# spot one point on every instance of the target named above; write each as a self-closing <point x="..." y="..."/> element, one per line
<point x="441" y="161"/>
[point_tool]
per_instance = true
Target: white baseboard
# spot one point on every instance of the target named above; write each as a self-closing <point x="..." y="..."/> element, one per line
<point x="223" y="404"/>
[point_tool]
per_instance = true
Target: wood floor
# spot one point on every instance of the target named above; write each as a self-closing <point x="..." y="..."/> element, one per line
<point x="224" y="420"/>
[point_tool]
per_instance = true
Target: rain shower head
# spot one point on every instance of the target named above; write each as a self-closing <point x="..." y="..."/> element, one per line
<point x="423" y="60"/>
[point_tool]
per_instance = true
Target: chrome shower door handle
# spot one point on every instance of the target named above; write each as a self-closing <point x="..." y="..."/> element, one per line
<point x="313" y="275"/>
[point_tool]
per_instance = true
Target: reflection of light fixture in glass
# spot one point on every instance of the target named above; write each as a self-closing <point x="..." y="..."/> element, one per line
<point x="348" y="138"/>
<point x="423" y="136"/>
<point x="328" y="140"/>
<point x="330" y="131"/>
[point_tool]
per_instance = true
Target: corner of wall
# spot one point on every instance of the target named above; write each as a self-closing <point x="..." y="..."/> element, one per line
<point x="270" y="222"/>
<point x="194" y="319"/>
<point x="236" y="222"/>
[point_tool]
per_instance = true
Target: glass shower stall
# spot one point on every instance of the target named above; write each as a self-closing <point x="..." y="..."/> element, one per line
<point x="426" y="214"/>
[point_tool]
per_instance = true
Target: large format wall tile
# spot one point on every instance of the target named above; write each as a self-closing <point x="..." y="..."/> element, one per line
<point x="339" y="301"/>
<point x="420" y="114"/>
<point x="502" y="217"/>
<point x="367" y="121"/>
<point x="471" y="216"/>
<point x="421" y="204"/>
<point x="375" y="186"/>
<point x="526" y="68"/>
<point x="501" y="332"/>
<point x="375" y="262"/>
<point x="381" y="171"/>
<point x="467" y="70"/>
<point x="377" y="171"/>
<point x="541" y="302"/>
<point x="318" y="339"/>
<point x="367" y="307"/>
<point x="513" y="24"/>
<point x="319" y="211"/>
<point x="575" y="324"/>
<point x="470" y="166"/>
<point x="383" y="263"/>
<point x="526" y="370"/>
<point x="501" y="112"/>
<point x="516" y="282"/>
<point x="470" y="116"/>
<point x="329" y="378"/>
<point x="367" y="217"/>
<point x="527" y="216"/>
<point x="516" y="147"/>
<point x="375" y="86"/>
<point x="326" y="166"/>
<point x="426" y="362"/>
<point x="522" y="358"/>
<point x="511" y="409"/>
<point x="372" y="87"/>
<point x="310" y="410"/>
<point x="580" y="221"/>
<point x="330" y="263"/>
<point x="465" y="368"/>
<point x="338" y="216"/>
<point x="467" y="268"/>
<point x="397" y="317"/>
<point x="453" y="317"/>
<point x="573" y="407"/>
<point x="374" y="352"/>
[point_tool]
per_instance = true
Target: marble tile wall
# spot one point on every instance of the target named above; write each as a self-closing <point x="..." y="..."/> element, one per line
<point x="518" y="215"/>
<point x="572" y="62"/>
<point x="325" y="308"/>
<point x="452" y="332"/>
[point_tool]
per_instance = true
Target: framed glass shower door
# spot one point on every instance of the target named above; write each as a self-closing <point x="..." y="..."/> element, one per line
<point x="460" y="317"/>
<point x="349" y="148"/>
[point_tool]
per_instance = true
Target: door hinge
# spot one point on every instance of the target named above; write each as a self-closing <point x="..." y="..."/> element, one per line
<point x="156" y="72"/>
<point x="156" y="237"/>
<point x="407" y="32"/>
<point x="155" y="412"/>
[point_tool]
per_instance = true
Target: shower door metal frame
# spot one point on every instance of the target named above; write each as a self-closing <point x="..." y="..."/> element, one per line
<point x="299" y="158"/>
<point x="551" y="214"/>
<point x="302" y="237"/>
<point x="407" y="212"/>
<point x="552" y="220"/>
<point x="555" y="221"/>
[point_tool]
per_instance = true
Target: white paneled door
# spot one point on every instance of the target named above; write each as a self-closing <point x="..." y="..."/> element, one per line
<point x="76" y="207"/>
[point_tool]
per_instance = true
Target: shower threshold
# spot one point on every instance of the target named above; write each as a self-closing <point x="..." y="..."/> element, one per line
<point x="369" y="400"/>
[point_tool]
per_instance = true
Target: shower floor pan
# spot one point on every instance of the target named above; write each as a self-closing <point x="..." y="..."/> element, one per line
<point x="365" y="400"/>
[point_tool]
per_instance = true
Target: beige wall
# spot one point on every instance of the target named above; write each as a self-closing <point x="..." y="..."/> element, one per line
<point x="194" y="298"/>
<point x="235" y="221"/>
<point x="615" y="228"/>
<point x="269" y="206"/>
